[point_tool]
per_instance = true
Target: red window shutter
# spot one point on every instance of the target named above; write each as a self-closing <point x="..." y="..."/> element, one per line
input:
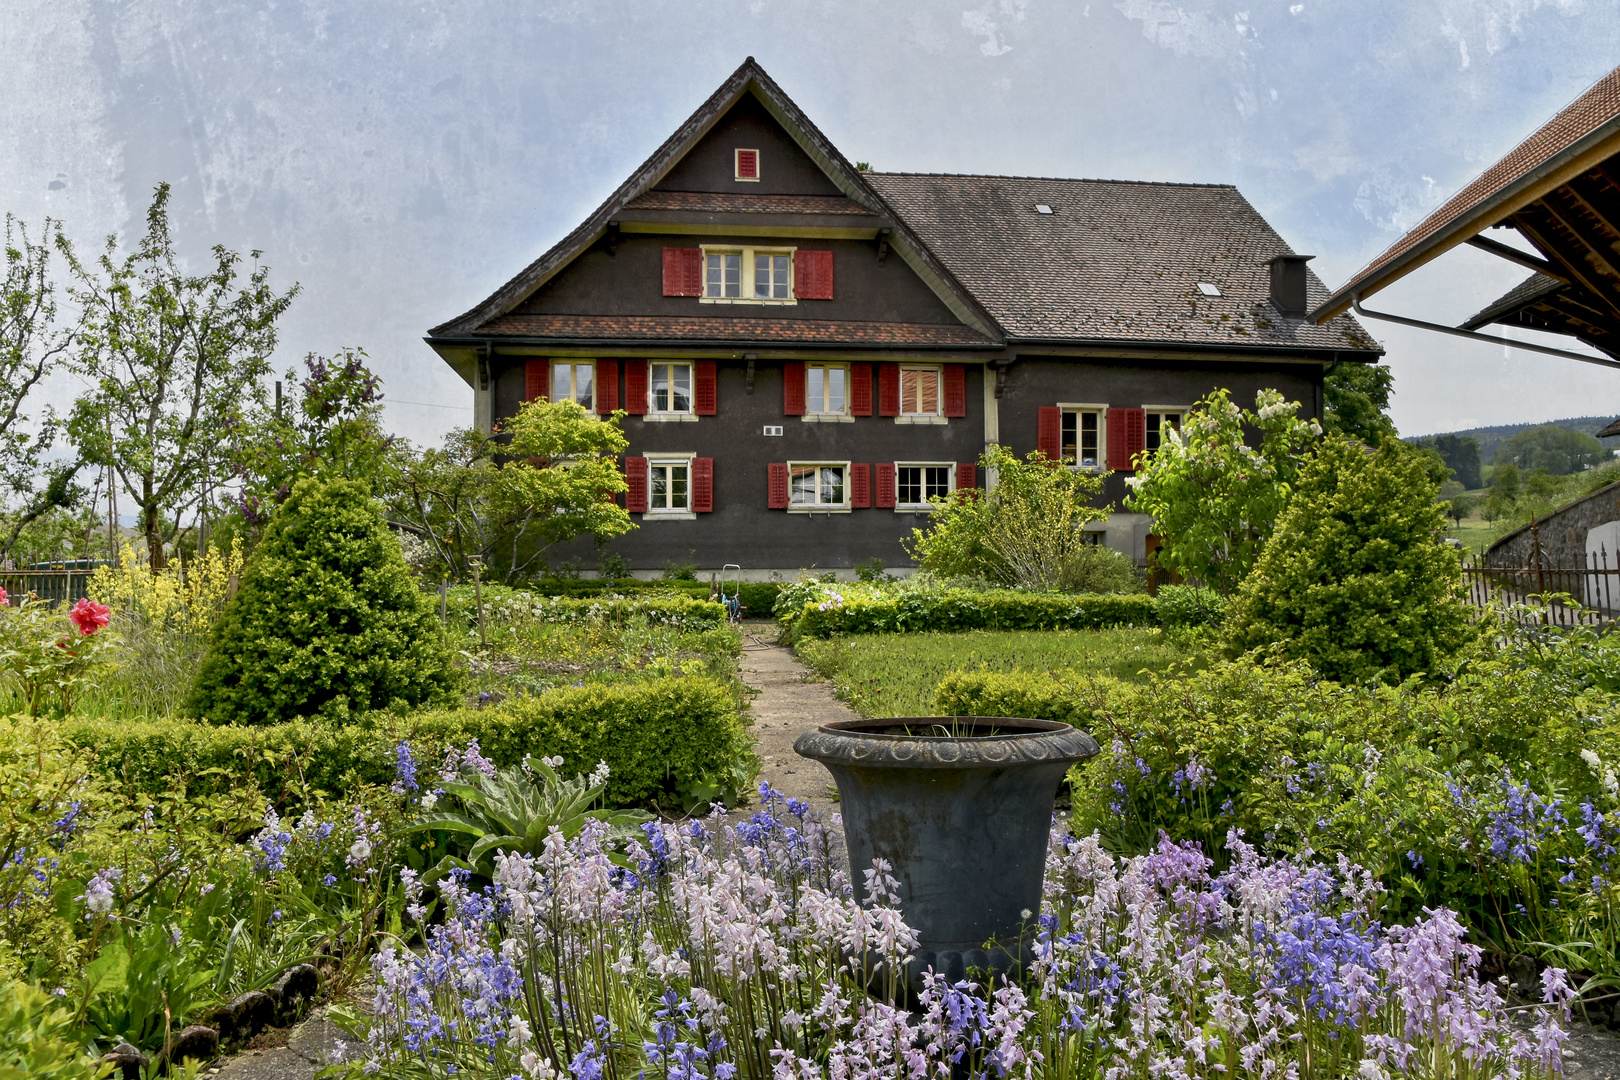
<point x="1135" y="432"/>
<point x="885" y="484"/>
<point x="793" y="388"/>
<point x="536" y="377"/>
<point x="967" y="475"/>
<point x="860" y="486"/>
<point x="1127" y="435"/>
<point x="635" y="476"/>
<point x="813" y="275"/>
<point x="778" y="486"/>
<point x="607" y="386"/>
<point x="748" y="164"/>
<point x="702" y="485"/>
<point x="860" y="389"/>
<point x="635" y="387"/>
<point x="955" y="390"/>
<point x="1049" y="432"/>
<point x="683" y="271"/>
<point x="705" y="396"/>
<point x="888" y="389"/>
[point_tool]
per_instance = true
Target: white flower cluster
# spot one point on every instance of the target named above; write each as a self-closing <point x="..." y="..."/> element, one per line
<point x="1611" y="783"/>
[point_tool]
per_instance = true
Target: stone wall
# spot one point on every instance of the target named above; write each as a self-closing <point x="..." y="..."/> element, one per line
<point x="1562" y="534"/>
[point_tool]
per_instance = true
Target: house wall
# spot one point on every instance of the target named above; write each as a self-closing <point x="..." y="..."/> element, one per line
<point x="784" y="168"/>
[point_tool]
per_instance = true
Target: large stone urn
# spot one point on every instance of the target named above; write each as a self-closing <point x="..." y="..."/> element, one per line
<point x="961" y="808"/>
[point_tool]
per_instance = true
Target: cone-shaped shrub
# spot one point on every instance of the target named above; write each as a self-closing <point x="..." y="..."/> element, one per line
<point x="1357" y="578"/>
<point x="327" y="622"/>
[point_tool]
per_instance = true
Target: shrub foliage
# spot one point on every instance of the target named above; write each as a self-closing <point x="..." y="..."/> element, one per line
<point x="328" y="620"/>
<point x="843" y="610"/>
<point x="1357" y="579"/>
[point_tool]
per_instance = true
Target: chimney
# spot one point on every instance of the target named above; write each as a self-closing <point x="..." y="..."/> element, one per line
<point x="1288" y="284"/>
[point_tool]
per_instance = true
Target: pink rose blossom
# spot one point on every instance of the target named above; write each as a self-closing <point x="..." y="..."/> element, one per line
<point x="5" y="598"/>
<point x="89" y="616"/>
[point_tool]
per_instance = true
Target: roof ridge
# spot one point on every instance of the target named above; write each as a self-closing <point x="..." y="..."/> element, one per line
<point x="1057" y="179"/>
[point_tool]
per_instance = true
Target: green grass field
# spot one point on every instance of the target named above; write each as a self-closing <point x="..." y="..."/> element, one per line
<point x="895" y="674"/>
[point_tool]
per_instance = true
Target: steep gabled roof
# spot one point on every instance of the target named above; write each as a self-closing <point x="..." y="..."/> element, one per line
<point x="1578" y="140"/>
<point x="1114" y="260"/>
<point x="748" y="78"/>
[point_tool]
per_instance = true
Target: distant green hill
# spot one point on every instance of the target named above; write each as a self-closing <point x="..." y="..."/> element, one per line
<point x="1490" y="437"/>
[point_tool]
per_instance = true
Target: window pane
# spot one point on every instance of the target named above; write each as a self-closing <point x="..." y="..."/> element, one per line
<point x="682" y="380"/>
<point x="816" y="387"/>
<point x="835" y="389"/>
<point x="762" y="275"/>
<point x="659" y="499"/>
<point x="939" y="482"/>
<point x="660" y="387"/>
<point x="1069" y="446"/>
<point x="928" y="392"/>
<point x="714" y="277"/>
<point x="677" y="487"/>
<point x="804" y="484"/>
<point x="832" y="484"/>
<point x="733" y="275"/>
<point x="582" y="383"/>
<point x="909" y="484"/>
<point x="779" y="277"/>
<point x="1088" y="439"/>
<point x="908" y="390"/>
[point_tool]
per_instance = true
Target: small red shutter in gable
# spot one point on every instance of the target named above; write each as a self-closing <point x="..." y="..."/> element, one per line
<point x="888" y="389"/>
<point x="885" y="484"/>
<point x="778" y="485"/>
<point x="635" y="477"/>
<point x="536" y="374"/>
<point x="703" y="485"/>
<point x="635" y="387"/>
<point x="1127" y="429"/>
<point x="748" y="164"/>
<point x="683" y="271"/>
<point x="607" y="386"/>
<point x="967" y="475"/>
<point x="1049" y="432"/>
<point x="860" y="389"/>
<point x="955" y="390"/>
<point x="813" y="275"/>
<point x="793" y="388"/>
<point x="705" y="398"/>
<point x="860" y="486"/>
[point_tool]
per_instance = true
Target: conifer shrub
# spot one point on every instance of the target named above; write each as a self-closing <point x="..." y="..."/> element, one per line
<point x="328" y="621"/>
<point x="1356" y="579"/>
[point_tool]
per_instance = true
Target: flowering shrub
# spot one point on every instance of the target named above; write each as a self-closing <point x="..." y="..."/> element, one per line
<point x="184" y="599"/>
<point x="711" y="951"/>
<point x="49" y="659"/>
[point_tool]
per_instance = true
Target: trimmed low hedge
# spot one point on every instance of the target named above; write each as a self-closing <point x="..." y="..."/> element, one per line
<point x="758" y="597"/>
<point x="963" y="609"/>
<point x="687" y="613"/>
<point x="1070" y="698"/>
<point x="662" y="738"/>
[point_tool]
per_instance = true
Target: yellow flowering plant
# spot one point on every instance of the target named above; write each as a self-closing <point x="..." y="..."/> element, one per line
<point x="184" y="599"/>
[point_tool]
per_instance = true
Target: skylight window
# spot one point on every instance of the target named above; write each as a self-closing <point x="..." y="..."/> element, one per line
<point x="1207" y="289"/>
<point x="1042" y="208"/>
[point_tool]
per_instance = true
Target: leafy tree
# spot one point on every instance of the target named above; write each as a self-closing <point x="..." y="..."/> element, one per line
<point x="1215" y="498"/>
<point x="1357" y="578"/>
<point x="1026" y="531"/>
<point x="1505" y="485"/>
<point x="1461" y="506"/>
<point x="1558" y="450"/>
<point x="172" y="358"/>
<point x="547" y="477"/>
<point x="330" y="427"/>
<point x="1540" y="484"/>
<point x="1461" y="455"/>
<point x="1356" y="400"/>
<point x="32" y="345"/>
<point x="328" y="620"/>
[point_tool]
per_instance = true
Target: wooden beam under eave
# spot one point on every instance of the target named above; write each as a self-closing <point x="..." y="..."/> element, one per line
<point x="1605" y="212"/>
<point x="1541" y="228"/>
<point x="1596" y="331"/>
<point x="1568" y="208"/>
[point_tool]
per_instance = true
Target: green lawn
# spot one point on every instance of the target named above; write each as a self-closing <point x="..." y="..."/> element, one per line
<point x="895" y="674"/>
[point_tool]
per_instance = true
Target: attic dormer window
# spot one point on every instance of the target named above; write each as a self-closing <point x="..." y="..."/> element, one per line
<point x="747" y="162"/>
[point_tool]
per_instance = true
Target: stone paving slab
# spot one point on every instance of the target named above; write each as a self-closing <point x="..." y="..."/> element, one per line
<point x="311" y="1046"/>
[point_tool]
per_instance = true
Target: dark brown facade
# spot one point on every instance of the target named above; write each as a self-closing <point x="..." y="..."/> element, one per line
<point x="804" y="363"/>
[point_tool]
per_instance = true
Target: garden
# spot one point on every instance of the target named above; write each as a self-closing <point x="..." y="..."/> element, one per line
<point x="327" y="730"/>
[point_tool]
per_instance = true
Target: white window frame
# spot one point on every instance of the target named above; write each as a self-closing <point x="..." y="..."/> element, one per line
<point x="1067" y="407"/>
<point x="819" y="507"/>
<point x="571" y="363"/>
<point x="815" y="416"/>
<point x="745" y="283"/>
<point x="736" y="164"/>
<point x="1160" y="411"/>
<point x="682" y="458"/>
<point x="924" y="506"/>
<point x="935" y="417"/>
<point x="671" y="416"/>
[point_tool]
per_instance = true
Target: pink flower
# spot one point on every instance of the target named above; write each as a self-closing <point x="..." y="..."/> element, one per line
<point x="5" y="598"/>
<point x="89" y="616"/>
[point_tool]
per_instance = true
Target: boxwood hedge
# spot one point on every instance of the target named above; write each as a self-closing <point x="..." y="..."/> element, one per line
<point x="662" y="738"/>
<point x="964" y="609"/>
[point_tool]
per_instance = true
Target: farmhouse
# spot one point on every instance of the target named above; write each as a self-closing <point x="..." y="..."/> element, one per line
<point x="808" y="351"/>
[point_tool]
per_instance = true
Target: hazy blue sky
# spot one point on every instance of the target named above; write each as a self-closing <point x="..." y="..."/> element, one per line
<point x="401" y="159"/>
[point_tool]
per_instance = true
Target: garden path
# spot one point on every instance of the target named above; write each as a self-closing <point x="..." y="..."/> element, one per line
<point x="786" y="704"/>
<point x="309" y="1048"/>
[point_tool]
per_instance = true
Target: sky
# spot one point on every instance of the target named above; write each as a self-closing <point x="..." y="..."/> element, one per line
<point x="400" y="160"/>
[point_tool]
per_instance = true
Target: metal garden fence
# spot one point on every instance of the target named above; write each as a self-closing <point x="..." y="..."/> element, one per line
<point x="1586" y="593"/>
<point x="64" y="580"/>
